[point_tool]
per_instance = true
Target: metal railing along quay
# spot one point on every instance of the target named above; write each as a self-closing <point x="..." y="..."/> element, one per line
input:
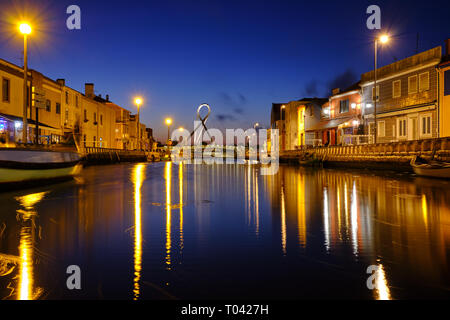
<point x="105" y="155"/>
<point x="396" y="154"/>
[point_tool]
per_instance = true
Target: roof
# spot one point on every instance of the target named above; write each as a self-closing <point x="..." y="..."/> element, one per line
<point x="329" y="124"/>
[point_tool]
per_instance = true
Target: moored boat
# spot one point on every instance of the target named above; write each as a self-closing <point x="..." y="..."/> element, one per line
<point x="432" y="168"/>
<point x="25" y="165"/>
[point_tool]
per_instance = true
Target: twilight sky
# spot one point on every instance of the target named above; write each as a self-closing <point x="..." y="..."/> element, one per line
<point x="238" y="56"/>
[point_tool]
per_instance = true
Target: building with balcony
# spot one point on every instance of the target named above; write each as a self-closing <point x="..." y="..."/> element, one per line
<point x="340" y="118"/>
<point x="406" y="99"/>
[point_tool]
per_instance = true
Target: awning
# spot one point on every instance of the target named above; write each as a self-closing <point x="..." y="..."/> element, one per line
<point x="30" y="121"/>
<point x="329" y="124"/>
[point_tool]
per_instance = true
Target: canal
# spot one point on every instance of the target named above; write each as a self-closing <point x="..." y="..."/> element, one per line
<point x="163" y="231"/>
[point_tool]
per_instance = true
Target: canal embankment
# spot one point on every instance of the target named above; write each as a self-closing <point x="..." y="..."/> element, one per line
<point x="387" y="156"/>
<point x="103" y="156"/>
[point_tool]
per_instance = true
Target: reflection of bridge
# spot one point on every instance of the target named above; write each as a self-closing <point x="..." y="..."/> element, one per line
<point x="218" y="151"/>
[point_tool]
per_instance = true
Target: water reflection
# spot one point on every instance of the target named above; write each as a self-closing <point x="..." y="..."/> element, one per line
<point x="168" y="178"/>
<point x="373" y="216"/>
<point x="382" y="288"/>
<point x="180" y="182"/>
<point x="138" y="178"/>
<point x="300" y="233"/>
<point x="27" y="215"/>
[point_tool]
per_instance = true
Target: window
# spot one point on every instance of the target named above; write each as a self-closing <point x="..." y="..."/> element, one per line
<point x="95" y="141"/>
<point x="381" y="129"/>
<point x="344" y="106"/>
<point x="66" y="116"/>
<point x="76" y="101"/>
<point x="85" y="115"/>
<point x="425" y="125"/>
<point x="48" y="105"/>
<point x="67" y="97"/>
<point x="58" y="108"/>
<point x="84" y="141"/>
<point x="447" y="83"/>
<point x="5" y="90"/>
<point x="101" y="119"/>
<point x="424" y="82"/>
<point x="378" y="93"/>
<point x="412" y="84"/>
<point x="397" y="89"/>
<point x="401" y="124"/>
<point x="95" y="117"/>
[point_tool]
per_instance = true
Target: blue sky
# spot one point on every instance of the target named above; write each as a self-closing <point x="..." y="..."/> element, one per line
<point x="238" y="56"/>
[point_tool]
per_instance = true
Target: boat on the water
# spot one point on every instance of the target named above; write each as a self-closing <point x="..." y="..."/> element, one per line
<point x="25" y="165"/>
<point x="432" y="168"/>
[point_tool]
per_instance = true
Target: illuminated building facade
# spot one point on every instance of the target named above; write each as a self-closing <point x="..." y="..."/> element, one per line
<point x="64" y="113"/>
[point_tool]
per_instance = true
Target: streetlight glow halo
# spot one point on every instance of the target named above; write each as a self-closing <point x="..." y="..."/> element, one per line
<point x="384" y="38"/>
<point x="25" y="28"/>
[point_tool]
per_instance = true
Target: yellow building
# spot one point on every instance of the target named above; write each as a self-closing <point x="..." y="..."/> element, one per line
<point x="444" y="94"/>
<point x="63" y="113"/>
<point x="294" y="119"/>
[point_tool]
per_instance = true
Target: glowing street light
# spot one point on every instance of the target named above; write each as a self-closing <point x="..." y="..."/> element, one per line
<point x="138" y="101"/>
<point x="168" y="123"/>
<point x="25" y="29"/>
<point x="382" y="39"/>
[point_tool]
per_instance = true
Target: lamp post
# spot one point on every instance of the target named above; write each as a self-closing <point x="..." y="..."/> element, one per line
<point x="138" y="102"/>
<point x="168" y="123"/>
<point x="383" y="39"/>
<point x="25" y="29"/>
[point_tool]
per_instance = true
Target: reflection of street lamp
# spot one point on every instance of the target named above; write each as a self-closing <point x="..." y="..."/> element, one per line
<point x="138" y="102"/>
<point x="168" y="123"/>
<point x="25" y="29"/>
<point x="383" y="39"/>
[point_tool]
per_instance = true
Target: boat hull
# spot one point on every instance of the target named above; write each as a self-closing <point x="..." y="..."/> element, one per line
<point x="23" y="166"/>
<point x="8" y="175"/>
<point x="434" y="173"/>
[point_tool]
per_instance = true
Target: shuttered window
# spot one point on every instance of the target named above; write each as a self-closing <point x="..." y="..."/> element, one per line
<point x="424" y="82"/>
<point x="412" y="84"/>
<point x="5" y="90"/>
<point x="397" y="89"/>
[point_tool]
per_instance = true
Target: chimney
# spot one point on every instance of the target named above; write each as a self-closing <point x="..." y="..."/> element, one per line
<point x="89" y="90"/>
<point x="61" y="82"/>
<point x="336" y="91"/>
<point x="107" y="97"/>
<point x="447" y="46"/>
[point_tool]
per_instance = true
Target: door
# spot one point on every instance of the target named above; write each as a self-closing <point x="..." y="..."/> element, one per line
<point x="413" y="130"/>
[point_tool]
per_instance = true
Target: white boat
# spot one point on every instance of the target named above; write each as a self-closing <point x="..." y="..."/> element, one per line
<point x="436" y="169"/>
<point x="26" y="165"/>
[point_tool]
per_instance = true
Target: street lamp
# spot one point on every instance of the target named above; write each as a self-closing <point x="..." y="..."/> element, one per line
<point x="168" y="123"/>
<point x="25" y="29"/>
<point x="138" y="102"/>
<point x="383" y="39"/>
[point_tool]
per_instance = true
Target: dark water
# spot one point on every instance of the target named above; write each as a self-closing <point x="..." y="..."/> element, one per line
<point x="162" y="231"/>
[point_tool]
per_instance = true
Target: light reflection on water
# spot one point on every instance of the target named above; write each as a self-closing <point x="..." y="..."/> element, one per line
<point x="226" y="231"/>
